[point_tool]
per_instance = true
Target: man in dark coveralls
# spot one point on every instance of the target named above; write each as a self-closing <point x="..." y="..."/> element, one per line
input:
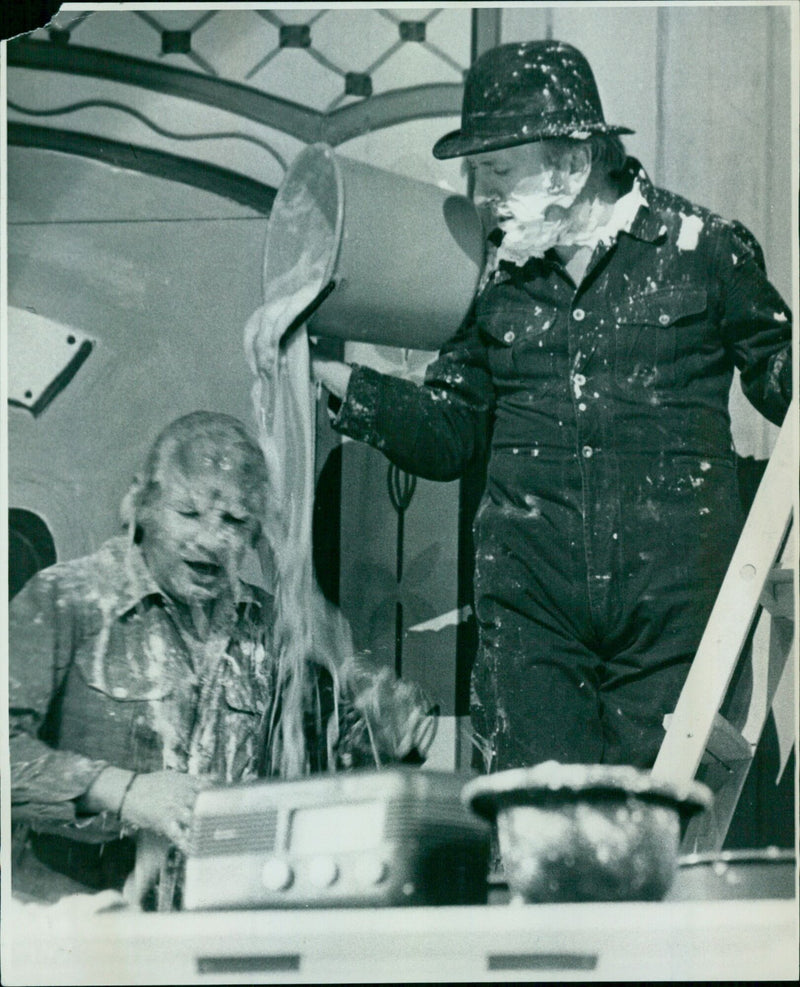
<point x="595" y="367"/>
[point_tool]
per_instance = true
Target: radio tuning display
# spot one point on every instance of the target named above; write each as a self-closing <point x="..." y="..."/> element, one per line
<point x="336" y="828"/>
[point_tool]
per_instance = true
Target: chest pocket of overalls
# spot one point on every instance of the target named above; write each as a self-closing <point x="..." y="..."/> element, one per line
<point x="519" y="333"/>
<point x="648" y="327"/>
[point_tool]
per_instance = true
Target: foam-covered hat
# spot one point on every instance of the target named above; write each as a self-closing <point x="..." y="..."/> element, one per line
<point x="522" y="92"/>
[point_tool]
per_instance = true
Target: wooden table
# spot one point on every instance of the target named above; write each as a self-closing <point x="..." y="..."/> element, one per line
<point x="673" y="941"/>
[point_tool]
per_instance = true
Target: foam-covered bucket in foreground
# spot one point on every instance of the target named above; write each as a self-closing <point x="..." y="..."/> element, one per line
<point x="406" y="255"/>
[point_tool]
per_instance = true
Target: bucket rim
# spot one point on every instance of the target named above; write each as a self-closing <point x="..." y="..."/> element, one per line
<point x="318" y="149"/>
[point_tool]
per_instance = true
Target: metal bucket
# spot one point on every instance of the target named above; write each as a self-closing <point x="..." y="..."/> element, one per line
<point x="767" y="873"/>
<point x="585" y="832"/>
<point x="405" y="255"/>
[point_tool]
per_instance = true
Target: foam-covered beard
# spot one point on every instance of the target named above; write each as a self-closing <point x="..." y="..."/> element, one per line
<point x="533" y="218"/>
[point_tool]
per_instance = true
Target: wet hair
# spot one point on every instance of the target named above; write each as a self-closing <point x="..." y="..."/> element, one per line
<point x="608" y="154"/>
<point x="204" y="442"/>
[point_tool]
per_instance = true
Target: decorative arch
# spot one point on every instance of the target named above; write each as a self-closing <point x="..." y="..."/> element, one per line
<point x="210" y="178"/>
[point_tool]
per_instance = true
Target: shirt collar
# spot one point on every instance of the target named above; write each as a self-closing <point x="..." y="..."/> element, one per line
<point x="132" y="583"/>
<point x="647" y="224"/>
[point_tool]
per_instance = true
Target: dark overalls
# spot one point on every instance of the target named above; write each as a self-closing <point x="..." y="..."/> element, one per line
<point x="611" y="508"/>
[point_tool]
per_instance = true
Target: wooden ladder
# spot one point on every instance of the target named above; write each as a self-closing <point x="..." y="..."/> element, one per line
<point x="748" y="640"/>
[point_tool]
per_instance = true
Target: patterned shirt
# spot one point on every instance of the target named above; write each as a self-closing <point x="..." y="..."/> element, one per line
<point x="103" y="672"/>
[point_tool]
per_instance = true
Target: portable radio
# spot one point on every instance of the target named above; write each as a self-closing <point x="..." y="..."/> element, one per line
<point x="400" y="836"/>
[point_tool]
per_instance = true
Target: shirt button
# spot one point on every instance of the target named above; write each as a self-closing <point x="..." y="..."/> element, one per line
<point x="579" y="315"/>
<point x="588" y="452"/>
<point x="663" y="319"/>
<point x="509" y="337"/>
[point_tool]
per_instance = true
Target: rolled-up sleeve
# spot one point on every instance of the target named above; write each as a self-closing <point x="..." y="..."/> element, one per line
<point x="42" y="630"/>
<point x="435" y="430"/>
<point x="757" y="324"/>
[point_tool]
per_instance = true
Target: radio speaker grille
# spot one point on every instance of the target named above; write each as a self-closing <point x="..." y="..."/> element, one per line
<point x="239" y="833"/>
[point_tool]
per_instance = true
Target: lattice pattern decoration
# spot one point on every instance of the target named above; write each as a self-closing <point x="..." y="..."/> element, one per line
<point x="322" y="59"/>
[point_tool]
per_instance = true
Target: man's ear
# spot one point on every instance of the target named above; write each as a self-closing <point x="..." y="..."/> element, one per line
<point x="579" y="159"/>
<point x="129" y="506"/>
<point x="574" y="168"/>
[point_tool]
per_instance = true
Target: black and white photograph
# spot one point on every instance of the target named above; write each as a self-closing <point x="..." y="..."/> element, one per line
<point x="399" y="433"/>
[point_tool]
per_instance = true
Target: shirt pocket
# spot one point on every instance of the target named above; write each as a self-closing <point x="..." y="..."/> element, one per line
<point x="652" y="329"/>
<point x="114" y="677"/>
<point x="113" y="712"/>
<point x="520" y="336"/>
<point x="239" y="698"/>
<point x="237" y="733"/>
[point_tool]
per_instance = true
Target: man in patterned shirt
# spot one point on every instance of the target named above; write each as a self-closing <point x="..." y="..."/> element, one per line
<point x="147" y="670"/>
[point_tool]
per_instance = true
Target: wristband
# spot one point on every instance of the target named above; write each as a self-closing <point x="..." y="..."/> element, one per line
<point x="128" y="787"/>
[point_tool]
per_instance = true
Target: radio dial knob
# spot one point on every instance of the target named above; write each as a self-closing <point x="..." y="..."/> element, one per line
<point x="276" y="875"/>
<point x="370" y="871"/>
<point x="322" y="872"/>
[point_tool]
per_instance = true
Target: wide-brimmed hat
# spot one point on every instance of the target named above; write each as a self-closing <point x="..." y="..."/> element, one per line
<point x="518" y="93"/>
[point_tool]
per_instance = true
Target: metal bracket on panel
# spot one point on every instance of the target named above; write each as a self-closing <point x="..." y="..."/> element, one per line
<point x="43" y="357"/>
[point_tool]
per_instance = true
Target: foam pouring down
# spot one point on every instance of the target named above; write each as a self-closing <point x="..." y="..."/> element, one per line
<point x="363" y="254"/>
<point x="307" y="627"/>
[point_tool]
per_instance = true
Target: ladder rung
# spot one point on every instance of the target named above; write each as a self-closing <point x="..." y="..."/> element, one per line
<point x="778" y="594"/>
<point x="781" y="574"/>
<point x="726" y="744"/>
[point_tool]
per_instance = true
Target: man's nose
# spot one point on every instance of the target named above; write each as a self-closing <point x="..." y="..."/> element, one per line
<point x="483" y="185"/>
<point x="489" y="187"/>
<point x="210" y="534"/>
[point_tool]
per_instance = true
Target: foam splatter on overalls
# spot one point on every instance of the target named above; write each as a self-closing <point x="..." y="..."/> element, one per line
<point x="611" y="507"/>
